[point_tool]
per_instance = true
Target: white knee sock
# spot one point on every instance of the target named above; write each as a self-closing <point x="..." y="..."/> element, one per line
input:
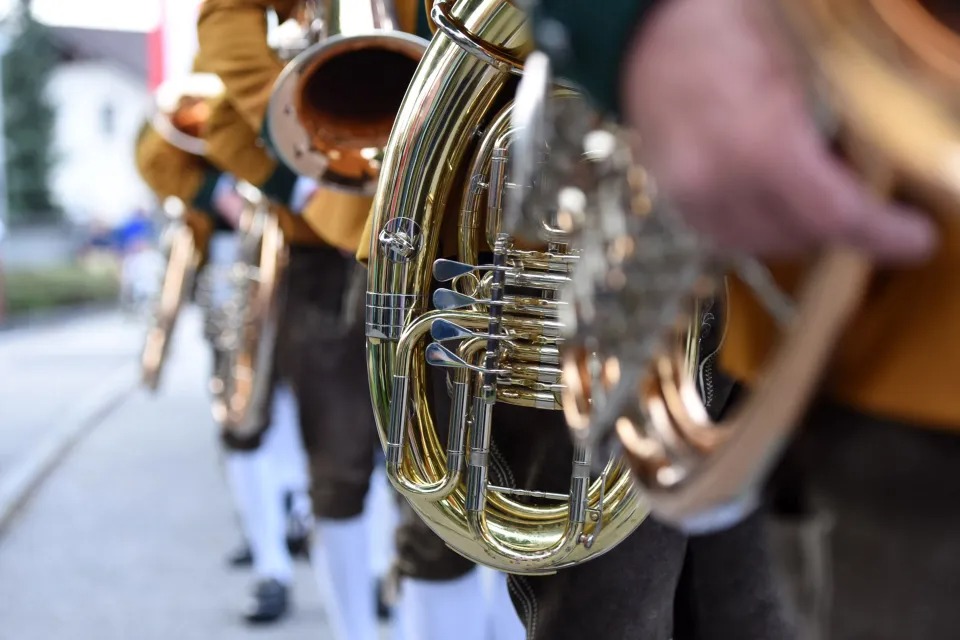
<point x="283" y="446"/>
<point x="262" y="513"/>
<point x="340" y="555"/>
<point x="384" y="514"/>
<point x="503" y="623"/>
<point x="442" y="610"/>
<point x="284" y="443"/>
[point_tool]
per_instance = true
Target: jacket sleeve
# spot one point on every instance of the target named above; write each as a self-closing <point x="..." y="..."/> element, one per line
<point x="586" y="43"/>
<point x="170" y="171"/>
<point x="233" y="44"/>
<point x="339" y="218"/>
<point x="234" y="147"/>
<point x="408" y="15"/>
<point x="363" y="243"/>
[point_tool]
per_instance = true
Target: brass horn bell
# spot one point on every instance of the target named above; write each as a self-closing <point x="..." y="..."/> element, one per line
<point x="334" y="105"/>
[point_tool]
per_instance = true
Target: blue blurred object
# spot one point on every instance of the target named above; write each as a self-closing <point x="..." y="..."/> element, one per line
<point x="136" y="230"/>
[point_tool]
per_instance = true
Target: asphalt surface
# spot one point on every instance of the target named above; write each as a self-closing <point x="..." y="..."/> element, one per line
<point x="46" y="372"/>
<point x="125" y="539"/>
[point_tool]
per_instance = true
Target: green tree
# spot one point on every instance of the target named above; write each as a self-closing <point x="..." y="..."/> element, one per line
<point x="29" y="119"/>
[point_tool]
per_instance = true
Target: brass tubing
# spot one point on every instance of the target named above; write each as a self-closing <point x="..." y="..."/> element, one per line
<point x="453" y="96"/>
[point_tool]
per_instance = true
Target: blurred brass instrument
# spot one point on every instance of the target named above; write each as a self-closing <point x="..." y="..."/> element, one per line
<point x="887" y="74"/>
<point x="333" y="106"/>
<point x="183" y="257"/>
<point x="245" y="329"/>
<point x="496" y="329"/>
<point x="181" y="107"/>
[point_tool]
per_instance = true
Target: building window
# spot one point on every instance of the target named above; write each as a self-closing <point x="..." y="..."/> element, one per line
<point x="108" y="118"/>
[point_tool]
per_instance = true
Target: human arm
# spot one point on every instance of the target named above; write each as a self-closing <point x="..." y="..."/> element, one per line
<point x="718" y="101"/>
<point x="172" y="172"/>
<point x="232" y="35"/>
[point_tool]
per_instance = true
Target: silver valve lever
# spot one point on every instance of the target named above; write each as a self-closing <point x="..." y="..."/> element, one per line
<point x="439" y="356"/>
<point x="446" y="270"/>
<point x="447" y="299"/>
<point x="443" y="330"/>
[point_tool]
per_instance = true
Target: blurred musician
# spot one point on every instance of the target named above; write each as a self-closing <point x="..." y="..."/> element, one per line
<point x="268" y="483"/>
<point x="441" y="594"/>
<point x="320" y="337"/>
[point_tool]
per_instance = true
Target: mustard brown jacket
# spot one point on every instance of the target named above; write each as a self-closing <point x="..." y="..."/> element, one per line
<point x="233" y="44"/>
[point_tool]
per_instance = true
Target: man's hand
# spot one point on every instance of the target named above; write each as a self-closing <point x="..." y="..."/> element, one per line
<point x="726" y="132"/>
<point x="229" y="204"/>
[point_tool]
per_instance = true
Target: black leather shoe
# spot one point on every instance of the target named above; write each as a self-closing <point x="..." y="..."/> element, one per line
<point x="299" y="547"/>
<point x="386" y="596"/>
<point x="268" y="603"/>
<point x="241" y="557"/>
<point x="299" y="527"/>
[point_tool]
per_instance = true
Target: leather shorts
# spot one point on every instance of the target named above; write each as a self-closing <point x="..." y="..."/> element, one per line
<point x="320" y="354"/>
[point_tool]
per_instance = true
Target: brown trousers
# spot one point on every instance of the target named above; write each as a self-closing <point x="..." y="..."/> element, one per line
<point x="878" y="505"/>
<point x="656" y="585"/>
<point x="320" y="355"/>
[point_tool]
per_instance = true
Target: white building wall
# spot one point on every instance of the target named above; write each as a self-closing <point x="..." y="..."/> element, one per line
<point x="100" y="109"/>
<point x="179" y="36"/>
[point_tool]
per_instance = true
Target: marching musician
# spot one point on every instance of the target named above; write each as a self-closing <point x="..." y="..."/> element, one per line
<point x="319" y="351"/>
<point x="441" y="594"/>
<point x="268" y="483"/>
<point x="721" y="106"/>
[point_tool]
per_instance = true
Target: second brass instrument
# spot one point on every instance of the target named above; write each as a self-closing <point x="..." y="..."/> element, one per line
<point x="245" y="331"/>
<point x="888" y="73"/>
<point x="633" y="363"/>
<point x="183" y="258"/>
<point x="181" y="109"/>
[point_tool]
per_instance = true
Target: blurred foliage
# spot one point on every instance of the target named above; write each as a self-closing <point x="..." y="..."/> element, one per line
<point x="29" y="120"/>
<point x="63" y="286"/>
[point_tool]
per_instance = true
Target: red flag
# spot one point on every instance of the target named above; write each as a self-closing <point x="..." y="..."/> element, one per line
<point x="156" y="55"/>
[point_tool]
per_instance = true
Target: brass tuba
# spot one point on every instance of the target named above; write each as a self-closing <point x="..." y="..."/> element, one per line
<point x="888" y="74"/>
<point x="183" y="257"/>
<point x="246" y="331"/>
<point x="333" y="106"/>
<point x="496" y="328"/>
<point x="181" y="108"/>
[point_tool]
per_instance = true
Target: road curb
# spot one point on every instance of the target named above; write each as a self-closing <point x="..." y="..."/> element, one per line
<point x="19" y="483"/>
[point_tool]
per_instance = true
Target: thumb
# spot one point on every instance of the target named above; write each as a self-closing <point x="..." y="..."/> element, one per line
<point x="827" y="191"/>
<point x="895" y="234"/>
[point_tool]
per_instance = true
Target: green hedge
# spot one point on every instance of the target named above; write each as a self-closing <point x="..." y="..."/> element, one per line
<point x="52" y="287"/>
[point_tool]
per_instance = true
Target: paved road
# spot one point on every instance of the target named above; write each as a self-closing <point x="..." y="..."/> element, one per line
<point x="125" y="540"/>
<point x="46" y="372"/>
